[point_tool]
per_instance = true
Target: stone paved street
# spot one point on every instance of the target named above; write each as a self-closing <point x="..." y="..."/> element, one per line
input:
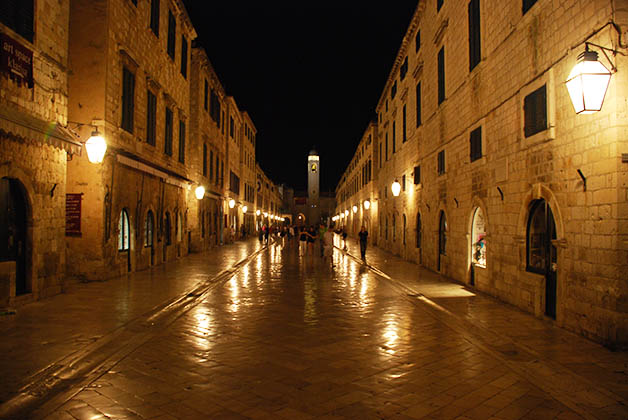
<point x="281" y="335"/>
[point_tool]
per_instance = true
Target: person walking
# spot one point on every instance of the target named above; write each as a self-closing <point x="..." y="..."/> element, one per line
<point x="321" y="233"/>
<point x="362" y="238"/>
<point x="328" y="245"/>
<point x="344" y="238"/>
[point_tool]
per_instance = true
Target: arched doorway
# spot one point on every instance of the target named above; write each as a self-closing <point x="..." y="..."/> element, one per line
<point x="478" y="242"/>
<point x="541" y="252"/>
<point x="149" y="229"/>
<point x="14" y="244"/>
<point x="442" y="237"/>
<point x="418" y="234"/>
<point x="167" y="235"/>
<point x="124" y="236"/>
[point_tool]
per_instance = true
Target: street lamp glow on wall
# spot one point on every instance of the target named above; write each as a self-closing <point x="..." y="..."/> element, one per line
<point x="587" y="83"/>
<point x="367" y="204"/>
<point x="199" y="192"/>
<point x="231" y="203"/>
<point x="96" y="146"/>
<point x="396" y="188"/>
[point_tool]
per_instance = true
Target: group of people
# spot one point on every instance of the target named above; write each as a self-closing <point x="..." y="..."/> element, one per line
<point x="309" y="236"/>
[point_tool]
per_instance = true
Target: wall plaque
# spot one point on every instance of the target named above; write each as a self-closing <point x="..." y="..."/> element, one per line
<point x="73" y="214"/>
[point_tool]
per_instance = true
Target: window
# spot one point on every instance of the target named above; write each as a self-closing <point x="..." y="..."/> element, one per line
<point x="217" y="169"/>
<point x="124" y="236"/>
<point x="527" y="4"/>
<point x="386" y="146"/>
<point x="393" y="92"/>
<point x="182" y="141"/>
<point x="148" y="229"/>
<point x="168" y="134"/>
<point x="154" y="17"/>
<point x="18" y="15"/>
<point x="206" y="96"/>
<point x="151" y="118"/>
<point x="417" y="41"/>
<point x="404" y="229"/>
<point x="231" y="127"/>
<point x="403" y="182"/>
<point x="205" y="160"/>
<point x="234" y="183"/>
<point x="172" y="34"/>
<point x="404" y="134"/>
<point x="418" y="104"/>
<point x="417" y="175"/>
<point x="439" y="4"/>
<point x="441" y="75"/>
<point x="184" y="56"/>
<point x="475" y="140"/>
<point x="128" y="99"/>
<point x="214" y="107"/>
<point x="394" y="137"/>
<point x="211" y="165"/>
<point x="535" y="110"/>
<point x="474" y="34"/>
<point x="441" y="162"/>
<point x="381" y="157"/>
<point x="404" y="69"/>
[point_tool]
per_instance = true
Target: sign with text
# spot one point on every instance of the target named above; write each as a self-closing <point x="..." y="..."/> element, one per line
<point x="73" y="214"/>
<point x="16" y="60"/>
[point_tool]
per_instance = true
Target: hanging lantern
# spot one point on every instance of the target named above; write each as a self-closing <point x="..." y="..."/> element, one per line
<point x="199" y="192"/>
<point x="96" y="146"/>
<point x="587" y="83"/>
<point x="396" y="188"/>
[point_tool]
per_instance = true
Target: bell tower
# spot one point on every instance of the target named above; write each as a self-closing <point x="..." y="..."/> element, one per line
<point x="313" y="187"/>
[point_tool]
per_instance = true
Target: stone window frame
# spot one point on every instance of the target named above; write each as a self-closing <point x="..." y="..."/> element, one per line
<point x="549" y="133"/>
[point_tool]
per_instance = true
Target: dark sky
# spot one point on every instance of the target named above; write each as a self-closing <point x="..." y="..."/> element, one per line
<point x="308" y="73"/>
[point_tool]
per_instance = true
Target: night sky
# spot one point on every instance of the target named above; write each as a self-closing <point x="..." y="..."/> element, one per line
<point x="308" y="73"/>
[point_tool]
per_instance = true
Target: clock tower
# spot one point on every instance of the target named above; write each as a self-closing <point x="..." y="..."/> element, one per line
<point x="313" y="187"/>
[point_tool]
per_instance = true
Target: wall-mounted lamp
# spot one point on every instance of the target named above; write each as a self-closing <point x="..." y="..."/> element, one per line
<point x="588" y="82"/>
<point x="396" y="188"/>
<point x="346" y="213"/>
<point x="265" y="214"/>
<point x="355" y="209"/>
<point x="244" y="209"/>
<point x="258" y="212"/>
<point x="96" y="146"/>
<point x="231" y="203"/>
<point x="199" y="192"/>
<point x="367" y="204"/>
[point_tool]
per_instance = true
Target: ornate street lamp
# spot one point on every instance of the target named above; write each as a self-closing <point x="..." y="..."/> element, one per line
<point x="96" y="146"/>
<point x="199" y="192"/>
<point x="396" y="188"/>
<point x="587" y="83"/>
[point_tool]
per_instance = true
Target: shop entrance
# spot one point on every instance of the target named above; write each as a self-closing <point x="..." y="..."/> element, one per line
<point x="13" y="230"/>
<point x="541" y="252"/>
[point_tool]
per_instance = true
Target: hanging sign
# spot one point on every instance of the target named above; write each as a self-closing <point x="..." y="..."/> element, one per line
<point x="73" y="214"/>
<point x="16" y="60"/>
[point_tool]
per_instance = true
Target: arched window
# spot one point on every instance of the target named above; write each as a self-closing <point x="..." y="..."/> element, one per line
<point x="149" y="227"/>
<point x="167" y="229"/>
<point x="404" y="229"/>
<point x="418" y="230"/>
<point x="478" y="235"/>
<point x="124" y="235"/>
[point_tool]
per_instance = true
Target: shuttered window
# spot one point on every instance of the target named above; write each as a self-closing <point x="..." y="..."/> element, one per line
<point x="526" y="5"/>
<point x="404" y="134"/>
<point x="417" y="175"/>
<point x="154" y="17"/>
<point x="182" y="141"/>
<point x="151" y="118"/>
<point x="441" y="162"/>
<point x="18" y="15"/>
<point x="205" y="160"/>
<point x="441" y="75"/>
<point x="475" y="144"/>
<point x="172" y="34"/>
<point x="474" y="34"/>
<point x="417" y="41"/>
<point x="535" y="110"/>
<point x="418" y="104"/>
<point x="128" y="99"/>
<point x="168" y="133"/>
<point x="184" y="57"/>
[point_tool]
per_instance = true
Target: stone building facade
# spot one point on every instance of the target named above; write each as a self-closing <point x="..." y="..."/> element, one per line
<point x="34" y="148"/>
<point x="208" y="146"/>
<point x="508" y="190"/>
<point x="130" y="78"/>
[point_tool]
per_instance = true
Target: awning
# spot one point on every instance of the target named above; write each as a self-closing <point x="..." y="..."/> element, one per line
<point x="14" y="123"/>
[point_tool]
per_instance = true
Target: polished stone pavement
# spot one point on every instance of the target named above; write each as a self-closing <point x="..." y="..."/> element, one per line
<point x="244" y="332"/>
